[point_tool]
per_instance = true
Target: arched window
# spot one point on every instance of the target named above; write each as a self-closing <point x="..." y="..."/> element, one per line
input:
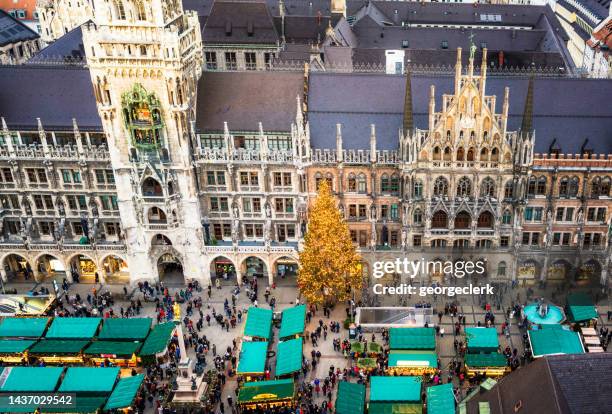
<point x="352" y="183"/>
<point x="140" y="11"/>
<point x="485" y="220"/>
<point x="151" y="188"/>
<point x="470" y="154"/>
<point x="541" y="188"/>
<point x="605" y="187"/>
<point x="417" y="189"/>
<point x="507" y="217"/>
<point x="436" y="154"/>
<point x="385" y="184"/>
<point x="487" y="188"/>
<point x="564" y="187"/>
<point x="463" y="220"/>
<point x="460" y="154"/>
<point x="361" y="183"/>
<point x="509" y="190"/>
<point x="447" y="154"/>
<point x="417" y="217"/>
<point x="501" y="269"/>
<point x="494" y="154"/>
<point x="484" y="154"/>
<point x="318" y="179"/>
<point x="119" y="10"/>
<point x="394" y="184"/>
<point x="531" y="186"/>
<point x="464" y="187"/>
<point x="330" y="181"/>
<point x="439" y="220"/>
<point x="573" y="186"/>
<point x="440" y="187"/>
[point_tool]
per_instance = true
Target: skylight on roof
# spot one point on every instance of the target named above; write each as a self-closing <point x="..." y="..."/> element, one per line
<point x="490" y="18"/>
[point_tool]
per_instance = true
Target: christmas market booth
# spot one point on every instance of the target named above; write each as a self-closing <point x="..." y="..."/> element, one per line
<point x="491" y="365"/>
<point x="554" y="340"/>
<point x="125" y="329"/>
<point x="117" y="353"/>
<point x="30" y="328"/>
<point x="15" y="351"/>
<point x="158" y="343"/>
<point x="580" y="309"/>
<point x="412" y="338"/>
<point x="30" y="380"/>
<point x="412" y="363"/>
<point x="264" y="395"/>
<point x="58" y="351"/>
<point x="481" y="340"/>
<point x="350" y="398"/>
<point x="292" y="322"/>
<point x="440" y="399"/>
<point x="124" y="394"/>
<point x="73" y="328"/>
<point x="395" y="395"/>
<point x="289" y="358"/>
<point x="252" y="361"/>
<point x="258" y="325"/>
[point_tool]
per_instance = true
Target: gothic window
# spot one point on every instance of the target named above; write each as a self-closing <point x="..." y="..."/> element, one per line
<point x="417" y="217"/>
<point x="140" y="11"/>
<point x="436" y="153"/>
<point x="352" y="183"/>
<point x="464" y="187"/>
<point x="541" y="188"/>
<point x="394" y="184"/>
<point x="600" y="187"/>
<point x="447" y="154"/>
<point x="463" y="220"/>
<point x="361" y="183"/>
<point x="487" y="188"/>
<point x="418" y="189"/>
<point x="330" y="181"/>
<point x="485" y="220"/>
<point x="509" y="190"/>
<point x="484" y="154"/>
<point x="501" y="269"/>
<point x="507" y="217"/>
<point x="564" y="187"/>
<point x="531" y="186"/>
<point x="573" y="186"/>
<point x="439" y="220"/>
<point x="119" y="10"/>
<point x="441" y="187"/>
<point x="494" y="154"/>
<point x="460" y="154"/>
<point x="318" y="179"/>
<point x="385" y="184"/>
<point x="470" y="154"/>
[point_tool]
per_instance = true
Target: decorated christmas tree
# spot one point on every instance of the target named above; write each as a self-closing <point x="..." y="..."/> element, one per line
<point x="329" y="263"/>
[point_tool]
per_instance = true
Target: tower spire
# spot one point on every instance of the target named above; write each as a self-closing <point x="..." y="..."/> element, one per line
<point x="527" y="124"/>
<point x="408" y="118"/>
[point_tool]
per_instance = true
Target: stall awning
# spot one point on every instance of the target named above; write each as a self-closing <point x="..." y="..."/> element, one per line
<point x="264" y="391"/>
<point x="73" y="328"/>
<point x="292" y="321"/>
<point x="112" y="348"/>
<point x="252" y="358"/>
<point x="580" y="308"/>
<point x="485" y="360"/>
<point x="415" y="359"/>
<point x="158" y="339"/>
<point x="82" y="405"/>
<point x="124" y="393"/>
<point x="350" y="398"/>
<point x="554" y="339"/>
<point x="258" y="323"/>
<point x="394" y="408"/>
<point x="289" y="357"/>
<point x="481" y="339"/>
<point x="131" y="329"/>
<point x="15" y="346"/>
<point x="32" y="379"/>
<point x="395" y="389"/>
<point x="54" y="347"/>
<point x="412" y="338"/>
<point x="23" y="327"/>
<point x="89" y="379"/>
<point x="440" y="399"/>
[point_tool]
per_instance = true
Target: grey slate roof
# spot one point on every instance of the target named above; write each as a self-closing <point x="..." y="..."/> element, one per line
<point x="569" y="110"/>
<point x="55" y="94"/>
<point x="13" y="31"/>
<point x="243" y="99"/>
<point x="66" y="48"/>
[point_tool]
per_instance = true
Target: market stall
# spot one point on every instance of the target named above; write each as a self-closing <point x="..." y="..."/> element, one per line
<point x="258" y="325"/>
<point x="481" y="340"/>
<point x="23" y="327"/>
<point x="125" y="329"/>
<point x="156" y="345"/>
<point x="263" y="395"/>
<point x="554" y="340"/>
<point x="14" y="351"/>
<point x="91" y="386"/>
<point x="56" y="351"/>
<point x="73" y="328"/>
<point x="412" y="338"/>
<point x="289" y="357"/>
<point x="412" y="363"/>
<point x="252" y="361"/>
<point x="366" y="364"/>
<point x="350" y="398"/>
<point x="491" y="365"/>
<point x="440" y="399"/>
<point x="124" y="394"/>
<point x="393" y="395"/>
<point x="292" y="322"/>
<point x="116" y="353"/>
<point x="580" y="308"/>
<point x="27" y="380"/>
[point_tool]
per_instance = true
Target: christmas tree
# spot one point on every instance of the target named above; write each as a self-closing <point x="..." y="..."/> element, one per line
<point x="329" y="264"/>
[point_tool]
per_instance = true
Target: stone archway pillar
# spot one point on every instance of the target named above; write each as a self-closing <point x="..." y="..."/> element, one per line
<point x="3" y="275"/>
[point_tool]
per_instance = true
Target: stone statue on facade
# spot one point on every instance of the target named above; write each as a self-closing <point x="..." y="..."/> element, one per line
<point x="404" y="238"/>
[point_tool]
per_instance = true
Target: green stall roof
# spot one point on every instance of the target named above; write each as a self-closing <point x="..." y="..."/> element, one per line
<point x="30" y="379"/>
<point x="481" y="339"/>
<point x="73" y="328"/>
<point x="485" y="360"/>
<point x="580" y="307"/>
<point x="133" y="329"/>
<point x="264" y="391"/>
<point x="82" y="405"/>
<point x="124" y="393"/>
<point x="289" y="357"/>
<point x="53" y="347"/>
<point x="393" y="389"/>
<point x="292" y="321"/>
<point x="23" y="327"/>
<point x="112" y="348"/>
<point x="258" y="323"/>
<point x="554" y="339"/>
<point x="17" y="346"/>
<point x="252" y="358"/>
<point x="394" y="408"/>
<point x="440" y="399"/>
<point x="89" y="379"/>
<point x="158" y="339"/>
<point x="412" y="338"/>
<point x="413" y="359"/>
<point x="350" y="398"/>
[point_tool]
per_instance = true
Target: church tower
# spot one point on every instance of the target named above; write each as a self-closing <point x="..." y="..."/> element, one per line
<point x="145" y="59"/>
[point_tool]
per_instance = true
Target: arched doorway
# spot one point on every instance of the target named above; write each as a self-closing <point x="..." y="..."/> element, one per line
<point x="439" y="220"/>
<point x="83" y="269"/>
<point x="160" y="240"/>
<point x="115" y="270"/>
<point x="559" y="271"/>
<point x="151" y="188"/>
<point x="528" y="271"/>
<point x="170" y="269"/>
<point x="252" y="267"/>
<point x="50" y="267"/>
<point x="285" y="271"/>
<point x="463" y="220"/>
<point x="223" y="268"/>
<point x="589" y="274"/>
<point x="17" y="268"/>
